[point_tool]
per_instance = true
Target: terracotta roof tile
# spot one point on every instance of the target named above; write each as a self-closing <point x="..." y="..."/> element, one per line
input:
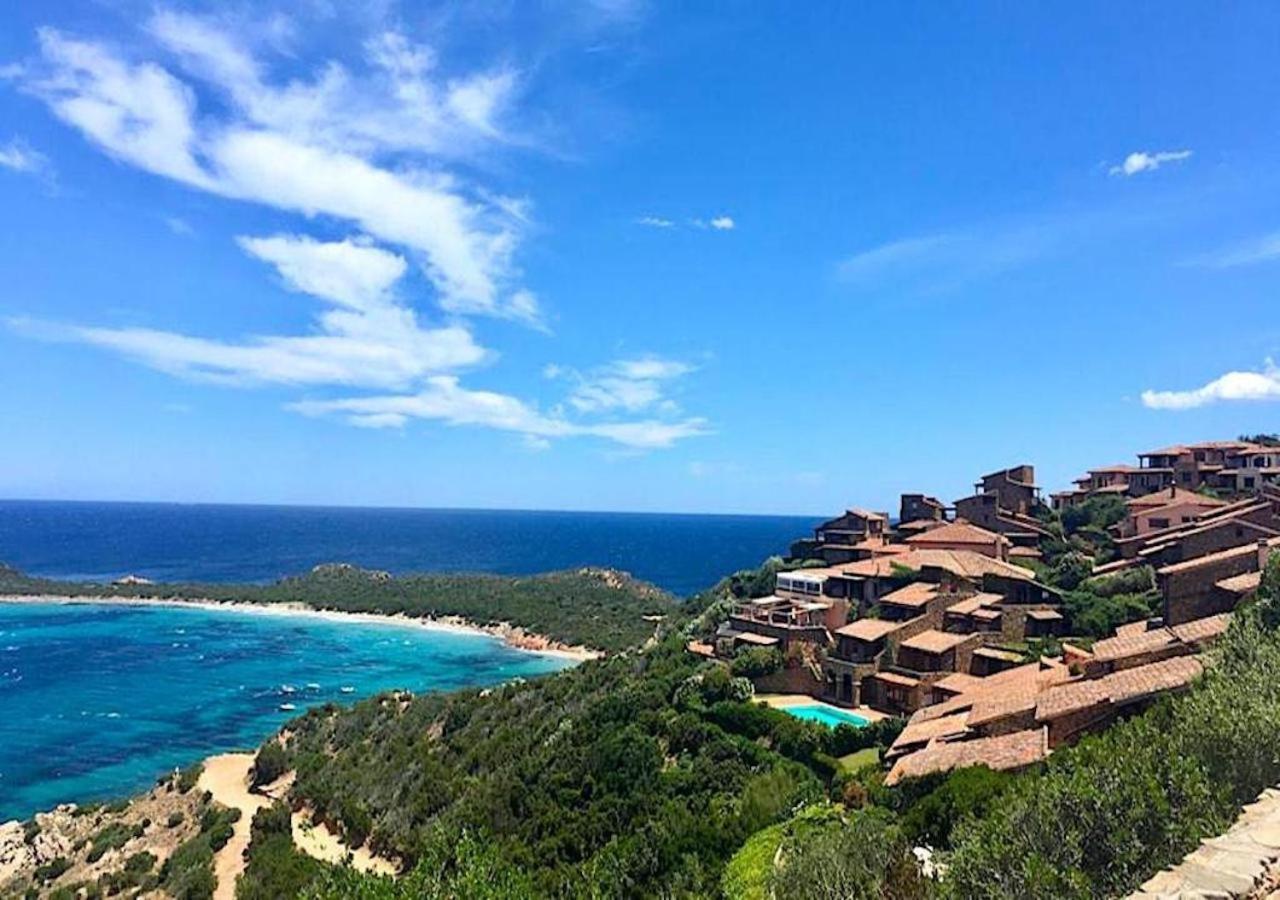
<point x="916" y="594"/>
<point x="958" y="532"/>
<point x="928" y="729"/>
<point x="1003" y="753"/>
<point x="933" y="641"/>
<point x="1069" y="698"/>
<point x="869" y="629"/>
<point x="1200" y="631"/>
<point x="1144" y="681"/>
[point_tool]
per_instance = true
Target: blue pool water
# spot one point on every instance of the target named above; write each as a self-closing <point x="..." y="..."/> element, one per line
<point x="827" y="715"/>
<point x="97" y="700"/>
<point x="177" y="542"/>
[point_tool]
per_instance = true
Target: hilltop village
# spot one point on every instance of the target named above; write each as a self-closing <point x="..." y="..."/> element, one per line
<point x="1001" y="626"/>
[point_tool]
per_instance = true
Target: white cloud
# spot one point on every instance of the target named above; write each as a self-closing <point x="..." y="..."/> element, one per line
<point x="19" y="156"/>
<point x="179" y="226"/>
<point x="305" y="147"/>
<point x="1259" y="250"/>
<point x="718" y="223"/>
<point x="366" y="337"/>
<point x="1143" y="161"/>
<point x="1233" y="386"/>
<point x="632" y="385"/>
<point x="368" y="149"/>
<point x="940" y="262"/>
<point x="351" y="272"/>
<point x="444" y="399"/>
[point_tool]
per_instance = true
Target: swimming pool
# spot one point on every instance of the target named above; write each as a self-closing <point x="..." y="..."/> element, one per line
<point x="827" y="715"/>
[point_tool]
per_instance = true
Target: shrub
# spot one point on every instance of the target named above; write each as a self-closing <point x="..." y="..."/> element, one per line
<point x="270" y="763"/>
<point x="862" y="857"/>
<point x="1116" y="807"/>
<point x="756" y="662"/>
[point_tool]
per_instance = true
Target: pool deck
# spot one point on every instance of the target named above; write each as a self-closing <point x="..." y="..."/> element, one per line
<point x="782" y="701"/>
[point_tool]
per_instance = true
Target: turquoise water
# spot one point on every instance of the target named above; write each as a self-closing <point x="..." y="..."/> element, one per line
<point x="827" y="715"/>
<point x="96" y="700"/>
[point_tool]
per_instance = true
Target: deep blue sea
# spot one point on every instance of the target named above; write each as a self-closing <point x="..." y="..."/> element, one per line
<point x="97" y="701"/>
<point x="174" y="542"/>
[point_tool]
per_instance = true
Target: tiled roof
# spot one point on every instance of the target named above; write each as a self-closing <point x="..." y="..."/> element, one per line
<point x="1071" y="697"/>
<point x="964" y="563"/>
<point x="752" y="638"/>
<point x="958" y="682"/>
<point x="1172" y="496"/>
<point x="918" y="593"/>
<point x="1133" y="644"/>
<point x="865" y="513"/>
<point x="1212" y="558"/>
<point x="1145" y="681"/>
<point x="927" y="729"/>
<point x="895" y="678"/>
<point x="1200" y="630"/>
<point x="934" y="641"/>
<point x="996" y="653"/>
<point x="1175" y="450"/>
<point x="1003" y="753"/>
<point x="869" y="629"/>
<point x="920" y="524"/>
<point x="958" y="532"/>
<point x="1044" y="615"/>
<point x="1241" y="584"/>
<point x="970" y="604"/>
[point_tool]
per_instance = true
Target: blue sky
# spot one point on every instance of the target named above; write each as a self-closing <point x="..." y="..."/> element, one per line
<point x="619" y="255"/>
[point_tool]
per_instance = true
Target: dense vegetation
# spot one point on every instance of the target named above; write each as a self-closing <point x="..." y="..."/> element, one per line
<point x="1080" y="540"/>
<point x="648" y="774"/>
<point x="596" y="608"/>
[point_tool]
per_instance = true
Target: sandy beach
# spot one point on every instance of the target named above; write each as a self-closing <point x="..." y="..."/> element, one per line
<point x="513" y="636"/>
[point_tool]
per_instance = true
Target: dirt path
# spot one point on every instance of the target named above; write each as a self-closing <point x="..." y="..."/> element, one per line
<point x="226" y="777"/>
<point x="316" y="840"/>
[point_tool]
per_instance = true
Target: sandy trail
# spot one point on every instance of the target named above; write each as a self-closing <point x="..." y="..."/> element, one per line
<point x="226" y="777"/>
<point x="316" y="840"/>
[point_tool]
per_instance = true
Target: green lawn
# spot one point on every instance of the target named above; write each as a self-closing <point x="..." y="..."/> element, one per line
<point x="868" y="756"/>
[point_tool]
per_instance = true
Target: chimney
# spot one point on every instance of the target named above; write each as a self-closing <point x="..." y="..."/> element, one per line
<point x="1173" y="491"/>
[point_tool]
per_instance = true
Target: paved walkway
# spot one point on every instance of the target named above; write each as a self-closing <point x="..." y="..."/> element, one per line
<point x="1243" y="863"/>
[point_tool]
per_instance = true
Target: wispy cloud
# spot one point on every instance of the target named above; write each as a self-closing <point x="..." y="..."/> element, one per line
<point x="443" y="399"/>
<point x="1231" y="387"/>
<point x="717" y="223"/>
<point x="941" y="262"/>
<point x="179" y="226"/>
<point x="1257" y="250"/>
<point x="372" y="149"/>
<point x="366" y="336"/>
<point x="18" y="156"/>
<point x="1148" y="161"/>
<point x="632" y="385"/>
<point x="308" y="147"/>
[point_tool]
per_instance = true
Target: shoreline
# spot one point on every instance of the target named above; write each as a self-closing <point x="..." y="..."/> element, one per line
<point x="512" y="636"/>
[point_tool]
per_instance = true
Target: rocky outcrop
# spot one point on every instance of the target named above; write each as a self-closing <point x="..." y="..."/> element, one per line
<point x="1242" y="863"/>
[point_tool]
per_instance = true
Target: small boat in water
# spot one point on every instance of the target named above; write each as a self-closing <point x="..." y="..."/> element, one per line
<point x="313" y="686"/>
<point x="348" y="689"/>
<point x="287" y="707"/>
<point x="287" y="689"/>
